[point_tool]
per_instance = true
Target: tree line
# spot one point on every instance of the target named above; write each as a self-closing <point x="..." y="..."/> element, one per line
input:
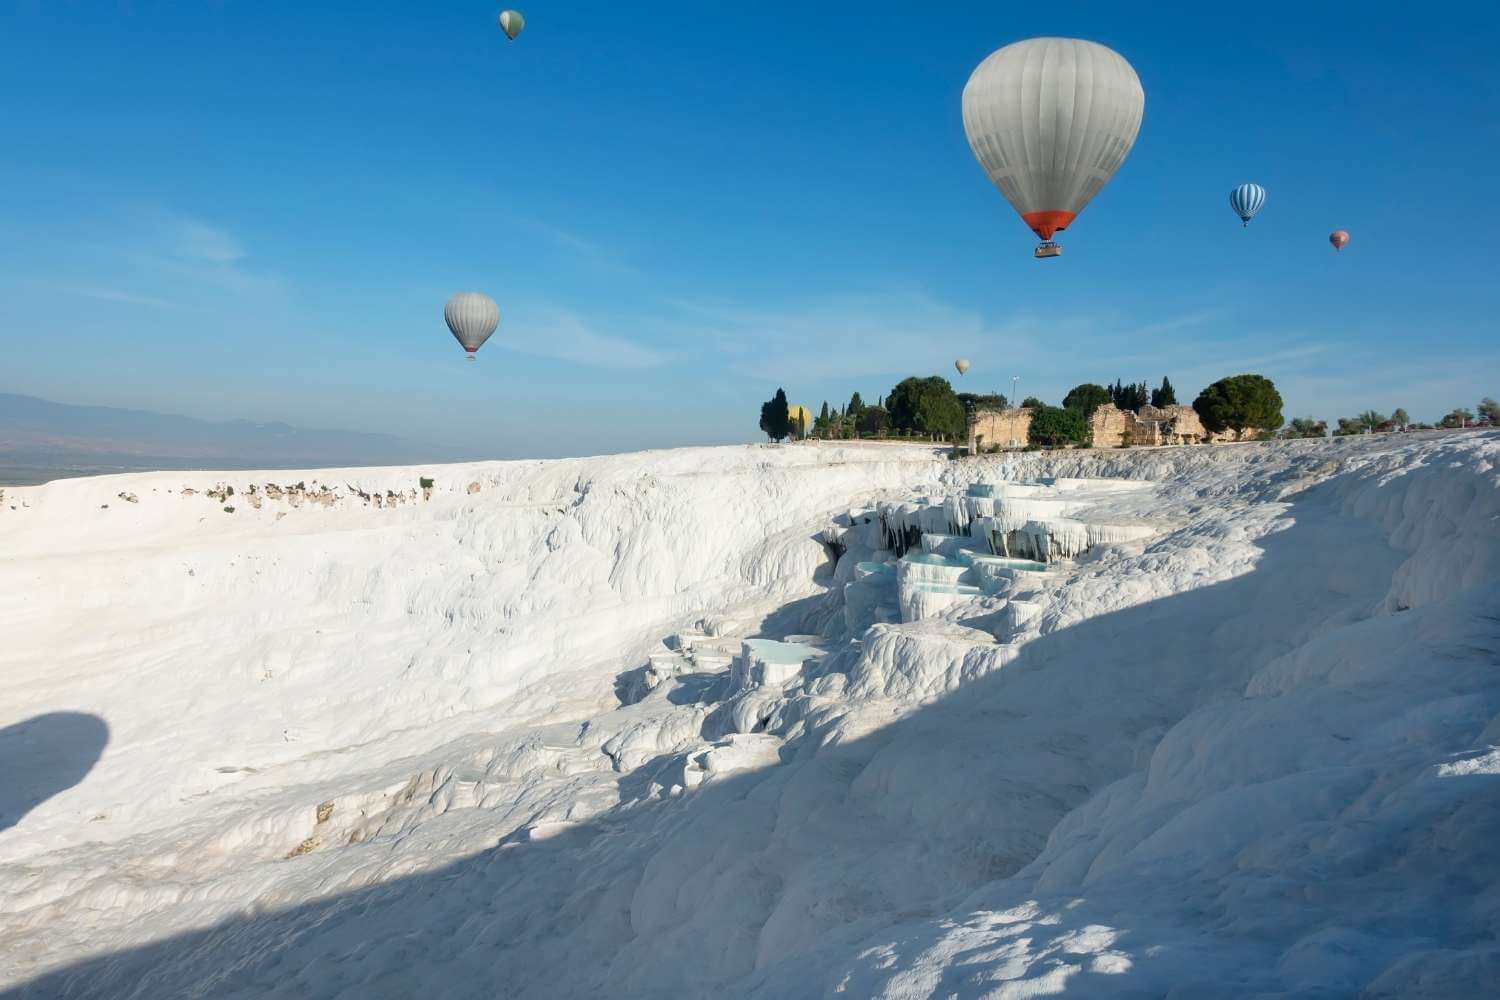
<point x="1486" y="414"/>
<point x="929" y="408"/>
<point x="915" y="407"/>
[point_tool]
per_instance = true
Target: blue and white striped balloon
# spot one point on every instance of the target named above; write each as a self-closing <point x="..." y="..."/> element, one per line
<point x="1246" y="200"/>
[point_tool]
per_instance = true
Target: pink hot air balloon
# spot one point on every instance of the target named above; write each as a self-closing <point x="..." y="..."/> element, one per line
<point x="1339" y="238"/>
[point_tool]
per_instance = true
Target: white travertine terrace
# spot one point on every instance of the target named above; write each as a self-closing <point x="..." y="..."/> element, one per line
<point x="758" y="723"/>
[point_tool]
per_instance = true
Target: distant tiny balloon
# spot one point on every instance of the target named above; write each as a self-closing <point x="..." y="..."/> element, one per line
<point x="1339" y="238"/>
<point x="962" y="364"/>
<point x="1246" y="200"/>
<point x="471" y="317"/>
<point x="512" y="23"/>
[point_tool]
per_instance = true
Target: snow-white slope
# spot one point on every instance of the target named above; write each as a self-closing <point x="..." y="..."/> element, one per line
<point x="340" y="750"/>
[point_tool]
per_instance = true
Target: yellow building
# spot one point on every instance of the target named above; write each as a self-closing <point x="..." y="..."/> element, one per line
<point x="801" y="419"/>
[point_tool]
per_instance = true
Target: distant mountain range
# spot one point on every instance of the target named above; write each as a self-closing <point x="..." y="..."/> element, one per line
<point x="42" y="440"/>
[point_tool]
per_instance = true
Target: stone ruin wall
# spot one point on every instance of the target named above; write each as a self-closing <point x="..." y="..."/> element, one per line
<point x="1006" y="428"/>
<point x="1112" y="427"/>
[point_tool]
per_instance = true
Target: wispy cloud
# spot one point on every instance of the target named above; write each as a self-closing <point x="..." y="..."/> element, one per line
<point x="876" y="335"/>
<point x="151" y="258"/>
<point x="1186" y="321"/>
<point x="1350" y="384"/>
<point x="222" y="277"/>
<point x="118" y="295"/>
<point x="196" y="240"/>
<point x="182" y="248"/>
<point x="850" y="335"/>
<point x="1294" y="357"/>
<point x="558" y="333"/>
<point x="1182" y="347"/>
<point x="584" y="250"/>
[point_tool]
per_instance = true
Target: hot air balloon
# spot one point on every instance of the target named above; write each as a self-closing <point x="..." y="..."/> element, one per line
<point x="801" y="418"/>
<point x="1051" y="120"/>
<point x="512" y="23"/>
<point x="1246" y="200"/>
<point x="962" y="364"/>
<point x="1339" y="238"/>
<point x="472" y="316"/>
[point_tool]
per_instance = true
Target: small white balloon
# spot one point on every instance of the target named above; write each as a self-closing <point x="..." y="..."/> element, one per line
<point x="512" y="23"/>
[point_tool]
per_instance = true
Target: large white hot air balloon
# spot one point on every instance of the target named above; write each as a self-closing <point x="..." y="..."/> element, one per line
<point x="1051" y="120"/>
<point x="472" y="317"/>
<point x="962" y="364"/>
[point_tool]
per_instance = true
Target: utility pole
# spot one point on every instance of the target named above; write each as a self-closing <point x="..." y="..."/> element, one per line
<point x="1014" y="399"/>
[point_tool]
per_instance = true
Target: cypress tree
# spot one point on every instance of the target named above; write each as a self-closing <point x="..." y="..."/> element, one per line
<point x="1166" y="395"/>
<point x="774" y="419"/>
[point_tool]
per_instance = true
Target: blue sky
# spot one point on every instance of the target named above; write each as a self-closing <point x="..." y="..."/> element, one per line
<point x="235" y="209"/>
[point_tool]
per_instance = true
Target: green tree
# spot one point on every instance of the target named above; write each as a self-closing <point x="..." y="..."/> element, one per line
<point x="1370" y="420"/>
<point x="1305" y="427"/>
<point x="943" y="416"/>
<point x="773" y="417"/>
<point x="1458" y="418"/>
<point x="856" y="406"/>
<point x="1240" y="402"/>
<point x="902" y="404"/>
<point x="1086" y="398"/>
<point x="874" y="420"/>
<point x="1400" y="417"/>
<point x="1166" y="395"/>
<point x="984" y="400"/>
<point x="823" y="423"/>
<point x="1129" y="397"/>
<point x="1490" y="411"/>
<point x="1055" y="426"/>
<point x="927" y="406"/>
<point x="1032" y="402"/>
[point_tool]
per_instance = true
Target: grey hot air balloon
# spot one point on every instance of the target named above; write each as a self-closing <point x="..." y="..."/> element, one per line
<point x="962" y="364"/>
<point x="512" y="23"/>
<point x="1051" y="120"/>
<point x="472" y="316"/>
